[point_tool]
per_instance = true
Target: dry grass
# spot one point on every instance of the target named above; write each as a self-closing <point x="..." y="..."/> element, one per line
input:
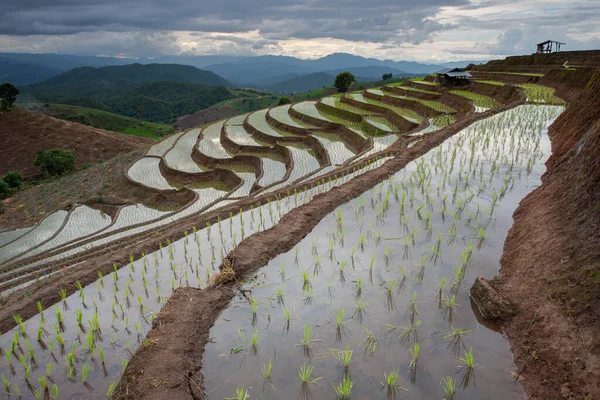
<point x="225" y="275"/>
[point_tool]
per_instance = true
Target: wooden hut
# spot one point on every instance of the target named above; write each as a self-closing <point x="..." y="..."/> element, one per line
<point x="549" y="46"/>
<point x="453" y="77"/>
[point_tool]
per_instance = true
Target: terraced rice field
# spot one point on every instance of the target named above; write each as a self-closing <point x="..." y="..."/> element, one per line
<point x="346" y="302"/>
<point x="210" y="143"/>
<point x="146" y="172"/>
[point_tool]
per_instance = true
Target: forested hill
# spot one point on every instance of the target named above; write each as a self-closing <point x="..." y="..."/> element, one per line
<point x="137" y="73"/>
<point x="160" y="92"/>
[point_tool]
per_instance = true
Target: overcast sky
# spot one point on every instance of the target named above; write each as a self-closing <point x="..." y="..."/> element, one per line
<point x="421" y="30"/>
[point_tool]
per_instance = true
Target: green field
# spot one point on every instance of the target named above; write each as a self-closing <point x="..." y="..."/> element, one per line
<point x="105" y="120"/>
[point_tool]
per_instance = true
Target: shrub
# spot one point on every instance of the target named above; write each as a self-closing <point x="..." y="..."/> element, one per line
<point x="5" y="190"/>
<point x="8" y="93"/>
<point x="284" y="100"/>
<point x="13" y="179"/>
<point x="55" y="162"/>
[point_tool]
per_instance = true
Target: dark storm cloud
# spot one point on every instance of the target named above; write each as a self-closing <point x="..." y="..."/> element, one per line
<point x="375" y="21"/>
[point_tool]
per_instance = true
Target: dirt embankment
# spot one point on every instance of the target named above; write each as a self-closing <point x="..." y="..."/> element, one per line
<point x="551" y="262"/>
<point x="169" y="364"/>
<point x="24" y="133"/>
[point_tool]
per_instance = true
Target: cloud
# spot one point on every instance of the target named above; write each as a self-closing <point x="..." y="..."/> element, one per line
<point x="396" y="29"/>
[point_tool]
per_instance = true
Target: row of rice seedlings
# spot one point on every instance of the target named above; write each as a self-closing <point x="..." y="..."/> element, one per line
<point x="478" y="99"/>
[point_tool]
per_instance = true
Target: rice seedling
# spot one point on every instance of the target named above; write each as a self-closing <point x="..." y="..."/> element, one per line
<point x="413" y="309"/>
<point x="390" y="384"/>
<point x="412" y="365"/>
<point x="254" y="343"/>
<point x="339" y="325"/>
<point x="306" y="341"/>
<point x="468" y="367"/>
<point x="344" y="388"/>
<point x="287" y="319"/>
<point x="254" y="306"/>
<point x="240" y="394"/>
<point x="306" y="379"/>
<point x="6" y="384"/>
<point x="266" y="370"/>
<point x="449" y="307"/>
<point x="359" y="310"/>
<point x="54" y="392"/>
<point x="341" y="271"/>
<point x="306" y="283"/>
<point x="370" y="342"/>
<point x="454" y="336"/>
<point x="440" y="292"/>
<point x="449" y="386"/>
<point x="458" y="273"/>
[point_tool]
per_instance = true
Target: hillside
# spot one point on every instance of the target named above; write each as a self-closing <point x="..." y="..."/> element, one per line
<point x="25" y="133"/>
<point x="101" y="119"/>
<point x="157" y="101"/>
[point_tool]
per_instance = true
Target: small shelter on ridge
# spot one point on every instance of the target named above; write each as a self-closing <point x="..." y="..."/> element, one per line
<point x="549" y="46"/>
<point x="453" y="77"/>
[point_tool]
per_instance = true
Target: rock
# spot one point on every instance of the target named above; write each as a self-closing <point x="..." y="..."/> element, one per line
<point x="491" y="303"/>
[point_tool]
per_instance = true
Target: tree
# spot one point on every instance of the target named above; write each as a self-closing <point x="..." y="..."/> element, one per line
<point x="55" y="162"/>
<point x="13" y="179"/>
<point x="8" y="93"/>
<point x="5" y="190"/>
<point x="387" y="76"/>
<point x="284" y="100"/>
<point x="139" y="111"/>
<point x="343" y="80"/>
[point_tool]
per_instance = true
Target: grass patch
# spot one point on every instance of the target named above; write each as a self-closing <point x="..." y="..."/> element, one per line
<point x="412" y="89"/>
<point x="540" y="94"/>
<point x="491" y="82"/>
<point x="478" y="99"/>
<point x="218" y="185"/>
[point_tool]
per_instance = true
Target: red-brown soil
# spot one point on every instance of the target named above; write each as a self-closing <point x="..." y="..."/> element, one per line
<point x="24" y="133"/>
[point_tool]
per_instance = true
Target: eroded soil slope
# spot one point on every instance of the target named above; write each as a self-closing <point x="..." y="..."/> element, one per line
<point x="551" y="260"/>
<point x="24" y="133"/>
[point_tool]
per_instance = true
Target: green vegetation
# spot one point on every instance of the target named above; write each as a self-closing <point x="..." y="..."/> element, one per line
<point x="249" y="104"/>
<point x="155" y="101"/>
<point x="443" y="120"/>
<point x="540" y="94"/>
<point x="8" y="94"/>
<point x="109" y="121"/>
<point x="491" y="82"/>
<point x="478" y="99"/>
<point x="387" y="76"/>
<point x="343" y="80"/>
<point x="55" y="162"/>
<point x="412" y="89"/>
<point x="284" y="100"/>
<point x="434" y="104"/>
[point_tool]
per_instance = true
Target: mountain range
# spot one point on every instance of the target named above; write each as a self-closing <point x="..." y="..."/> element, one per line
<point x="258" y="71"/>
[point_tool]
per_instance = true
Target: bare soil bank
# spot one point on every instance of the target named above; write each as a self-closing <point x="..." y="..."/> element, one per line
<point x="169" y="365"/>
<point x="24" y="133"/>
<point x="551" y="262"/>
